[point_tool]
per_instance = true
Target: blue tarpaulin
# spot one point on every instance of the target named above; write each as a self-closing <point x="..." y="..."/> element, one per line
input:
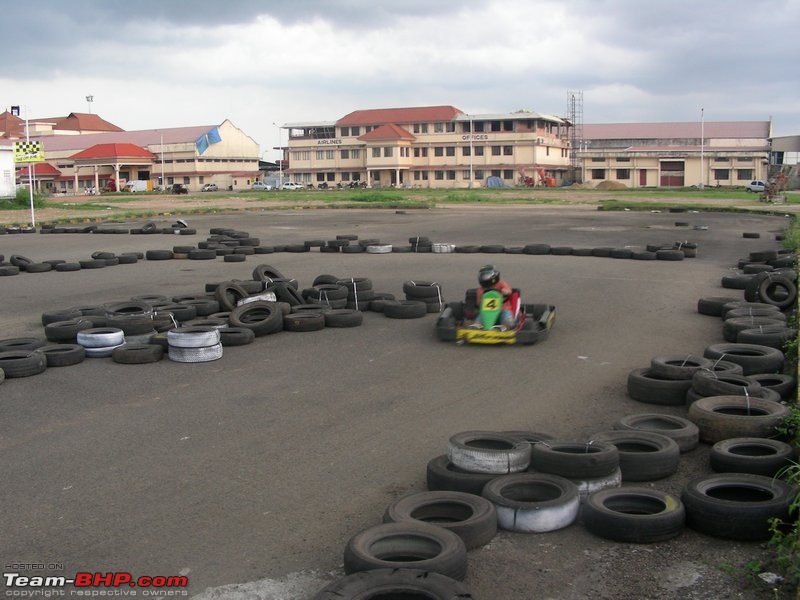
<point x="201" y="143"/>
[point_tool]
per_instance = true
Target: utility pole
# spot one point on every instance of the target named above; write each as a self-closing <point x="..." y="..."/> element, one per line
<point x="702" y="150"/>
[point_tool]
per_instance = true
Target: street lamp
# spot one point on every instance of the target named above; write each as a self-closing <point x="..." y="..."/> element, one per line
<point x="280" y="157"/>
<point x="90" y="99"/>
<point x="702" y="150"/>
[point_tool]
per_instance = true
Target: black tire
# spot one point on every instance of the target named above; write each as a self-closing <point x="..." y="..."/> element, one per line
<point x="202" y="254"/>
<point x="406" y="309"/>
<point x="128" y="309"/>
<point x="736" y="506"/>
<point x="67" y="267"/>
<point x="682" y="431"/>
<point x="723" y="417"/>
<point x="20" y="261"/>
<point x="38" y="268"/>
<point x="236" y="336"/>
<point x="643" y="455"/>
<point x="158" y="254"/>
<point x="677" y="366"/>
<point x="707" y="383"/>
<point x="234" y="258"/>
<point x="285" y="292"/>
<point x="92" y="264"/>
<point x="712" y="306"/>
<point x="65" y="314"/>
<point x="262" y="318"/>
<point x="758" y="456"/>
<point x="633" y="515"/>
<point x="575" y="460"/>
<point x="228" y="294"/>
<point x="422" y="290"/>
<point x="127" y="259"/>
<point x="303" y="321"/>
<point x="21" y="344"/>
<point x="203" y="306"/>
<point x="777" y="290"/>
<point x="732" y="326"/>
<point x="63" y="355"/>
<point x="735" y="281"/>
<point x="602" y="252"/>
<point x="343" y="317"/>
<point x="181" y="312"/>
<point x="137" y="354"/>
<point x="471" y="517"/>
<point x="65" y="331"/>
<point x="533" y="502"/>
<point x="645" y="386"/>
<point x="752" y="357"/>
<point x="394" y="583"/>
<point x="670" y="255"/>
<point x="22" y="363"/>
<point x="407" y="545"/>
<point x="770" y="313"/>
<point x="784" y="385"/>
<point x="488" y="452"/>
<point x="774" y="336"/>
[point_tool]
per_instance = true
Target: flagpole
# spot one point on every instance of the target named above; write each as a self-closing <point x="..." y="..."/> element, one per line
<point x="30" y="168"/>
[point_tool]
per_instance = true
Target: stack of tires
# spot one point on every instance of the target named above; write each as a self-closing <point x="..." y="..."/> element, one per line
<point x="428" y="292"/>
<point x="359" y="292"/>
<point x="20" y="357"/>
<point x="100" y="342"/>
<point x="194" y="344"/>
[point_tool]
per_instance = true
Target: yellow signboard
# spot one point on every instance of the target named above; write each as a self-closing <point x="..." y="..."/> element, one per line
<point x="28" y="152"/>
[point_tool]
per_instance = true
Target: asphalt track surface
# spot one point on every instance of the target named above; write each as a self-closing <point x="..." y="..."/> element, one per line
<point x="259" y="466"/>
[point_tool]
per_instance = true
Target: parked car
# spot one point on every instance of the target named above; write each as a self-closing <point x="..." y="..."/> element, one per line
<point x="291" y="185"/>
<point x="756" y="186"/>
<point x="179" y="188"/>
<point x="209" y="187"/>
<point x="260" y="185"/>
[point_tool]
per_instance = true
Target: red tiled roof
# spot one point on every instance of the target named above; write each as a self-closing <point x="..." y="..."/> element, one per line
<point x="11" y="126"/>
<point x="387" y="132"/>
<point x="711" y="129"/>
<point x="401" y="116"/>
<point x="80" y="122"/>
<point x="39" y="170"/>
<point x="113" y="151"/>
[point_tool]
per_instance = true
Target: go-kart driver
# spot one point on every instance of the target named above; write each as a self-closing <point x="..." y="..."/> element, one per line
<point x="489" y="278"/>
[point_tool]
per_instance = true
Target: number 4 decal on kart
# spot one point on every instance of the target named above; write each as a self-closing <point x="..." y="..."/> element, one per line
<point x="491" y="305"/>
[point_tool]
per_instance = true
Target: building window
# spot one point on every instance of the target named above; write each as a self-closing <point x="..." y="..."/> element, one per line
<point x="438" y="128"/>
<point x="465" y="175"/>
<point x="721" y="160"/>
<point x="186" y="181"/>
<point x="425" y="175"/>
<point x="345" y="153"/>
<point x="345" y="131"/>
<point x="420" y="128"/>
<point x="438" y="151"/>
<point x="508" y="125"/>
<point x="598" y="159"/>
<point x="346" y="176"/>
<point x="508" y="150"/>
<point x="744" y="160"/>
<point x="376" y="153"/>
<point x="496" y="150"/>
<point x="320" y="154"/>
<point x="623" y="174"/>
<point x="355" y="153"/>
<point x="170" y="180"/>
<point x="387" y="152"/>
<point x="420" y="152"/>
<point x="721" y="174"/>
<point x="330" y="176"/>
<point x="416" y="175"/>
<point x="329" y="154"/>
<point x="508" y="174"/>
<point x="438" y="175"/>
<point x="465" y="151"/>
<point x="623" y="159"/>
<point x="598" y="173"/>
<point x="478" y="125"/>
<point x="451" y="175"/>
<point x="406" y="152"/>
<point x="744" y="174"/>
<point x="450" y="127"/>
<point x="495" y="172"/>
<point x="495" y="125"/>
<point x="450" y="151"/>
<point x="478" y="174"/>
<point x="320" y="177"/>
<point x="478" y="150"/>
<point x="356" y="176"/>
<point x="355" y="131"/>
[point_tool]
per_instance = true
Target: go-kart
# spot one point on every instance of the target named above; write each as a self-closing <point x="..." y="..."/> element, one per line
<point x="476" y="322"/>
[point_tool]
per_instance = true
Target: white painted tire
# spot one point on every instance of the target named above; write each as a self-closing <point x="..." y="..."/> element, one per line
<point x="442" y="248"/>
<point x="488" y="452"/>
<point x="100" y="352"/>
<point x="195" y="355"/>
<point x="533" y="502"/>
<point x="379" y="249"/>
<point x="193" y="337"/>
<point x="594" y="484"/>
<point x="100" y="337"/>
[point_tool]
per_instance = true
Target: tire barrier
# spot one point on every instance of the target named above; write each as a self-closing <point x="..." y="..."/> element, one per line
<point x="634" y="515"/>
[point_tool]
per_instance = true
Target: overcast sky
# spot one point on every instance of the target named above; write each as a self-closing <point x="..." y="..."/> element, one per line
<point x="172" y="63"/>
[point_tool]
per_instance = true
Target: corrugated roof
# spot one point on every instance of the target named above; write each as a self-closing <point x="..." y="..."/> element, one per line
<point x="387" y="132"/>
<point x="113" y="151"/>
<point x="82" y="122"/>
<point x="400" y="116"/>
<point x="711" y="129"/>
<point x="145" y="137"/>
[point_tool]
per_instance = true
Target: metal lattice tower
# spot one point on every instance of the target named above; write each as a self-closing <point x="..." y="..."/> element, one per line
<point x="575" y="116"/>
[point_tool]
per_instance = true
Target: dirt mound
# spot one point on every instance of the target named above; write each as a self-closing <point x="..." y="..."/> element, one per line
<point x="610" y="185"/>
